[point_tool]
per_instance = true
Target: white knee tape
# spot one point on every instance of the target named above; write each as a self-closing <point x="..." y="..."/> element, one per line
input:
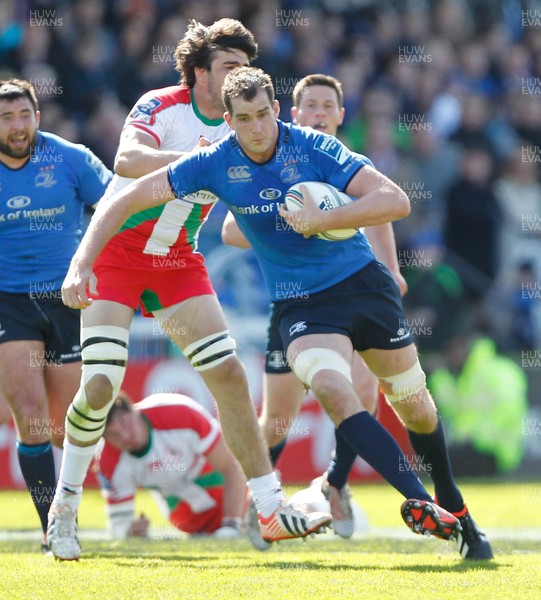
<point x="210" y="351"/>
<point x="407" y="383"/>
<point x="104" y="345"/>
<point x="104" y="352"/>
<point x="312" y="360"/>
<point x="83" y="423"/>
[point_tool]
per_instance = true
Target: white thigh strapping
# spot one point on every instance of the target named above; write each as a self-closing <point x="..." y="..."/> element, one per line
<point x="313" y="360"/>
<point x="406" y="383"/>
<point x="211" y="350"/>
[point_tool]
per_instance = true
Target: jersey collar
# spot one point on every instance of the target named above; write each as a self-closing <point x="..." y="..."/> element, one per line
<point x="201" y="117"/>
<point x="145" y="450"/>
<point x="283" y="138"/>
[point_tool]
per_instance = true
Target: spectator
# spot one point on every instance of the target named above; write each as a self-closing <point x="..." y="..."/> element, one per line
<point x="379" y="103"/>
<point x="514" y="299"/>
<point x="425" y="173"/>
<point x="474" y="74"/>
<point x="472" y="219"/>
<point x="125" y="72"/>
<point x="86" y="78"/>
<point x="518" y="193"/>
<point x="473" y="129"/>
<point x="102" y="130"/>
<point x="482" y="397"/>
<point x="436" y="300"/>
<point x="525" y="115"/>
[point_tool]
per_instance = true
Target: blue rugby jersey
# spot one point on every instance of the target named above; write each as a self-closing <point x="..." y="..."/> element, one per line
<point x="292" y="265"/>
<point x="41" y="211"/>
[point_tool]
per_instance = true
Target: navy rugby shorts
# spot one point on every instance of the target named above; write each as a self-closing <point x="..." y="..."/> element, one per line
<point x="366" y="307"/>
<point x="42" y="317"/>
<point x="275" y="354"/>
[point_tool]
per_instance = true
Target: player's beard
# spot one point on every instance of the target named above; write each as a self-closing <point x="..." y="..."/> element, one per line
<point x="6" y="149"/>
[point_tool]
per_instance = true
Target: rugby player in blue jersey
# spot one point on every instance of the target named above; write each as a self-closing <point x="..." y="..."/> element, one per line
<point x="318" y="102"/>
<point x="350" y="301"/>
<point x="45" y="183"/>
<point x="153" y="262"/>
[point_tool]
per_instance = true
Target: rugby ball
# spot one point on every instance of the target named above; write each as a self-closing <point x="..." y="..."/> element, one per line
<point x="311" y="499"/>
<point x="328" y="198"/>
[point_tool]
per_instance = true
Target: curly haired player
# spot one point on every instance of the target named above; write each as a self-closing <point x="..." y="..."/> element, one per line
<point x="152" y="260"/>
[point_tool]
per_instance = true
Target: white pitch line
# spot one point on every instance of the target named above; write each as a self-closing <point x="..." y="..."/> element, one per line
<point x="522" y="534"/>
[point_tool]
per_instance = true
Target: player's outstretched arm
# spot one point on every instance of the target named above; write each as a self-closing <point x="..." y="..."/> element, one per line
<point x="147" y="192"/>
<point x="231" y="233"/>
<point x="124" y="524"/>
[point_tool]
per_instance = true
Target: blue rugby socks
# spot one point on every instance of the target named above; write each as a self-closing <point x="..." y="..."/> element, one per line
<point x="37" y="466"/>
<point x="276" y="450"/>
<point x="372" y="442"/>
<point x="432" y="450"/>
<point x="341" y="462"/>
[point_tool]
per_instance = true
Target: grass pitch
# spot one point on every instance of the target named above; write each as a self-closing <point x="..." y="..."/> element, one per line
<point x="388" y="563"/>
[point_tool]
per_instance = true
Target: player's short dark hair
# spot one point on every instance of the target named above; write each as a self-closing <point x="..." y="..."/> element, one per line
<point x="246" y="82"/>
<point x="122" y="404"/>
<point x="199" y="43"/>
<point x="13" y="89"/>
<point x="318" y="79"/>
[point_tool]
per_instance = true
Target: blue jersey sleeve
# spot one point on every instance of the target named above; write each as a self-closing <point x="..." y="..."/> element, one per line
<point x="93" y="177"/>
<point x="191" y="172"/>
<point x="336" y="163"/>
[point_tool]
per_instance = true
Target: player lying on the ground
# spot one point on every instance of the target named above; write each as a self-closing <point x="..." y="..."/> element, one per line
<point x="169" y="443"/>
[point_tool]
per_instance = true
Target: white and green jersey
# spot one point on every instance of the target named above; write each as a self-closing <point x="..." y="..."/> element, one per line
<point x="172" y="118"/>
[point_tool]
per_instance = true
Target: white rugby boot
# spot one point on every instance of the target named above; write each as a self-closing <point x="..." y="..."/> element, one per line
<point x="61" y="536"/>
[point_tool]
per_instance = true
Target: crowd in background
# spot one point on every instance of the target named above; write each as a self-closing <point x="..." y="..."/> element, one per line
<point x="443" y="95"/>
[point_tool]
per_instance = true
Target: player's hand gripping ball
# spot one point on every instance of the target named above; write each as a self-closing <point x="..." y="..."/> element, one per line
<point x="328" y="198"/>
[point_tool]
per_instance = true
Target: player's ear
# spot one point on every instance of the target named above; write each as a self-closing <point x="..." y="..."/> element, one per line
<point x="227" y="119"/>
<point x="276" y="108"/>
<point x="294" y="114"/>
<point x="342" y="113"/>
<point x="38" y="118"/>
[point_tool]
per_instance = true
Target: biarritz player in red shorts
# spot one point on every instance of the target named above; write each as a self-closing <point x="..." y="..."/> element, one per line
<point x="153" y="261"/>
